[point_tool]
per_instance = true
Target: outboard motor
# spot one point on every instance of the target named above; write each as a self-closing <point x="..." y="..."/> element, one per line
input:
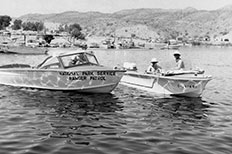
<point x="129" y="66"/>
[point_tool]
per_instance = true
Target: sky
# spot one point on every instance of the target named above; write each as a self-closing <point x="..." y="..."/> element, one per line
<point x="16" y="8"/>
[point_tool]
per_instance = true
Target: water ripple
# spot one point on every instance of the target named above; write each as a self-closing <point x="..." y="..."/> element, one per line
<point x="126" y="121"/>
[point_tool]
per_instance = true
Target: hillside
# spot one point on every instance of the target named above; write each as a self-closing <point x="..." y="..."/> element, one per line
<point x="188" y="22"/>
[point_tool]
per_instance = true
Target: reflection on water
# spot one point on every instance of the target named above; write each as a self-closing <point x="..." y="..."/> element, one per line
<point x="51" y="121"/>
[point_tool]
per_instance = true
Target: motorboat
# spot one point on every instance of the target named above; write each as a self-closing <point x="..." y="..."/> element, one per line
<point x="57" y="73"/>
<point x="22" y="49"/>
<point x="189" y="83"/>
<point x="172" y="47"/>
<point x="172" y="44"/>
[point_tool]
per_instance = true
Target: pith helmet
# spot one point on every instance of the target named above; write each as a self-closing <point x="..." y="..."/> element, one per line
<point x="176" y="53"/>
<point x="154" y="60"/>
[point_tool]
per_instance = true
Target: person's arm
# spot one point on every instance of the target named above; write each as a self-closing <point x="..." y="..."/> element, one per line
<point x="182" y="64"/>
<point x="149" y="70"/>
<point x="178" y="64"/>
<point x="159" y="70"/>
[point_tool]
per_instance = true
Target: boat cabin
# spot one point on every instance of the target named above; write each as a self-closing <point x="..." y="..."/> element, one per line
<point x="69" y="60"/>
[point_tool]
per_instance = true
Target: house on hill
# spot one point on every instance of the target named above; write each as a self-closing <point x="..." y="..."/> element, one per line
<point x="224" y="38"/>
<point x="5" y="33"/>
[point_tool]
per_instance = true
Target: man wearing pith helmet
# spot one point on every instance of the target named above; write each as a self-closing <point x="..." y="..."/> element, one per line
<point x="179" y="61"/>
<point x="154" y="67"/>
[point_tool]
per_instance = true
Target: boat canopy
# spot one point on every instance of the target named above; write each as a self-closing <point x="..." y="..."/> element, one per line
<point x="69" y="60"/>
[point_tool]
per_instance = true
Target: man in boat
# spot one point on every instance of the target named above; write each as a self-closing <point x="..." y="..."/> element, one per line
<point x="154" y="67"/>
<point x="81" y="58"/>
<point x="179" y="61"/>
<point x="73" y="61"/>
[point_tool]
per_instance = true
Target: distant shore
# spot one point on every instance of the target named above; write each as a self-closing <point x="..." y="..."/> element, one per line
<point x="14" y="47"/>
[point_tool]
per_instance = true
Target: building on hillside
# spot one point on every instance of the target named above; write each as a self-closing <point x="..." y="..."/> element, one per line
<point x="5" y="33"/>
<point x="206" y="38"/>
<point x="180" y="38"/>
<point x="224" y="39"/>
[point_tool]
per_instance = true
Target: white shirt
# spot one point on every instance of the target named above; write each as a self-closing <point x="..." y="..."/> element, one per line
<point x="179" y="64"/>
<point x="153" y="69"/>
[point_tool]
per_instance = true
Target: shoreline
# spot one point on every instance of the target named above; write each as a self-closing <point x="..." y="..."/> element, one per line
<point x="108" y="43"/>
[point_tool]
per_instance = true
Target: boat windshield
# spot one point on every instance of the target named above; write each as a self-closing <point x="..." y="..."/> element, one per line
<point x="50" y="63"/>
<point x="79" y="59"/>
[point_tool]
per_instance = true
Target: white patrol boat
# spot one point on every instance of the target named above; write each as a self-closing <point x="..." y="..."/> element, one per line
<point x="79" y="71"/>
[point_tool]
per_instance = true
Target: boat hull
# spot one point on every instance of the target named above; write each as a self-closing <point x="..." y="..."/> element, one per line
<point x="171" y="47"/>
<point x="182" y="85"/>
<point x="91" y="81"/>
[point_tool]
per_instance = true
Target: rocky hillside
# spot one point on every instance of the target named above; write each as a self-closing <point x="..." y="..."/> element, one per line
<point x="146" y="23"/>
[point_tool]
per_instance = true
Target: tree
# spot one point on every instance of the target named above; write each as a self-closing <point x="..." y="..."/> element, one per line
<point x="37" y="26"/>
<point x="61" y="28"/>
<point x="4" y="21"/>
<point x="28" y="26"/>
<point x="75" y="31"/>
<point x="66" y="28"/>
<point x="75" y="26"/>
<point x="17" y="24"/>
<point x="48" y="38"/>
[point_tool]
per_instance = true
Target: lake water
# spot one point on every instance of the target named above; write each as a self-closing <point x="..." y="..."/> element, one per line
<point x="127" y="121"/>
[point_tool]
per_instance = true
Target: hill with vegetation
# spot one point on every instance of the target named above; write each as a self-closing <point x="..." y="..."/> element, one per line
<point x="145" y="23"/>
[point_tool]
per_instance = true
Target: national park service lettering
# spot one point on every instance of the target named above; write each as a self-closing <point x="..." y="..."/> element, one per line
<point x="87" y="75"/>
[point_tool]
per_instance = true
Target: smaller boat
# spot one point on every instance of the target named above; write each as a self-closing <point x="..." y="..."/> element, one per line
<point x="180" y="83"/>
<point x="170" y="47"/>
<point x="78" y="71"/>
<point x="172" y="44"/>
<point x="24" y="50"/>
